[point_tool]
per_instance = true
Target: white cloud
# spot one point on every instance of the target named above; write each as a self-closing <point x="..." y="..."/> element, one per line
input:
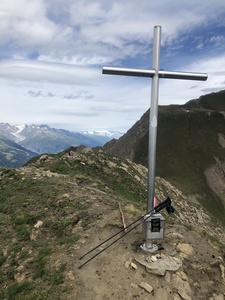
<point x="217" y="40"/>
<point x="26" y="24"/>
<point x="55" y="49"/>
<point x="48" y="72"/>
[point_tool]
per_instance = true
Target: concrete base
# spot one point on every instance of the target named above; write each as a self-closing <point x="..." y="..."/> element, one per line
<point x="153" y="248"/>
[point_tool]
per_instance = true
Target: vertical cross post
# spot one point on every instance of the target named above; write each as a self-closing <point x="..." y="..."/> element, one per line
<point x="153" y="120"/>
<point x="155" y="74"/>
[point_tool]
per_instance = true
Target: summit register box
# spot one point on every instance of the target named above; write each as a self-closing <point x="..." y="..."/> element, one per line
<point x="153" y="227"/>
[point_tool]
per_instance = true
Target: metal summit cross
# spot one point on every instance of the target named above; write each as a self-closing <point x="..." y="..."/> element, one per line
<point x="155" y="74"/>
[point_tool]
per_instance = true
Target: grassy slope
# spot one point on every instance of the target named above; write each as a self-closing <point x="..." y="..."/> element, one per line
<point x="186" y="145"/>
<point x="35" y="262"/>
<point x="60" y="202"/>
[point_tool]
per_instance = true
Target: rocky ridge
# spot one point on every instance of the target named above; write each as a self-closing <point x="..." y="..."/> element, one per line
<point x="189" y="265"/>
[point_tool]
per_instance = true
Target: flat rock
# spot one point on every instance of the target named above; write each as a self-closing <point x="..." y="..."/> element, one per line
<point x="186" y="249"/>
<point x="156" y="272"/>
<point x="147" y="287"/>
<point x="184" y="295"/>
<point x="166" y="263"/>
<point x="175" y="235"/>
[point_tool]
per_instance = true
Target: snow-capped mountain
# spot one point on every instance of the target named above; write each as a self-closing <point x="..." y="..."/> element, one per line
<point x="44" y="139"/>
<point x="12" y="132"/>
<point x="109" y="134"/>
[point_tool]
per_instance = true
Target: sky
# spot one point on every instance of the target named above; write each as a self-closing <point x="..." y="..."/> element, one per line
<point x="52" y="53"/>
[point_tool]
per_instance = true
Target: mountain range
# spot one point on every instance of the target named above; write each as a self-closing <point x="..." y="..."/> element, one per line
<point x="19" y="143"/>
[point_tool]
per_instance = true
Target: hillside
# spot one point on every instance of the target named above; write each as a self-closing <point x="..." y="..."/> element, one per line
<point x="57" y="207"/>
<point x="190" y="148"/>
<point x="13" y="155"/>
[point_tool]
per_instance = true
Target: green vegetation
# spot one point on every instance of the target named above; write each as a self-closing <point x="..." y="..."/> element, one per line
<point x="56" y="194"/>
<point x="2" y="258"/>
<point x="117" y="181"/>
<point x="187" y="144"/>
<point x="48" y="207"/>
<point x="18" y="290"/>
<point x="40" y="263"/>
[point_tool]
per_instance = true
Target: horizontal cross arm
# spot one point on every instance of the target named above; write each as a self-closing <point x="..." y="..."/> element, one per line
<point x="128" y="72"/>
<point x="182" y="75"/>
<point x="151" y="73"/>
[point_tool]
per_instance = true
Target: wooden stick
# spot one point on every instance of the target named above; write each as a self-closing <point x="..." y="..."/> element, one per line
<point x="122" y="217"/>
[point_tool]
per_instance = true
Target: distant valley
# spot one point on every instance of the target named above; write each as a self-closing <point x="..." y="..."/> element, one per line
<point x="19" y="143"/>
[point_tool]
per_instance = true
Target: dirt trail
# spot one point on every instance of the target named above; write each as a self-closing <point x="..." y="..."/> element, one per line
<point x="111" y="276"/>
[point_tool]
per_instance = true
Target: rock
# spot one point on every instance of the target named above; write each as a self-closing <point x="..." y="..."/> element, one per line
<point x="133" y="266"/>
<point x="70" y="275"/>
<point x="176" y="297"/>
<point x="180" y="284"/>
<point x="196" y="284"/>
<point x="147" y="287"/>
<point x="43" y="157"/>
<point x="156" y="272"/>
<point x="175" y="235"/>
<point x="222" y="269"/>
<point x="182" y="275"/>
<point x="184" y="295"/>
<point x="186" y="249"/>
<point x="87" y="150"/>
<point x="173" y="253"/>
<point x="153" y="258"/>
<point x="127" y="264"/>
<point x="220" y="258"/>
<point x="165" y="263"/>
<point x="66" y="195"/>
<point x="49" y="174"/>
<point x="34" y="235"/>
<point x="197" y="266"/>
<point x="38" y="224"/>
<point x="111" y="164"/>
<point x="200" y="218"/>
<point x="182" y="217"/>
<point x="168" y="277"/>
